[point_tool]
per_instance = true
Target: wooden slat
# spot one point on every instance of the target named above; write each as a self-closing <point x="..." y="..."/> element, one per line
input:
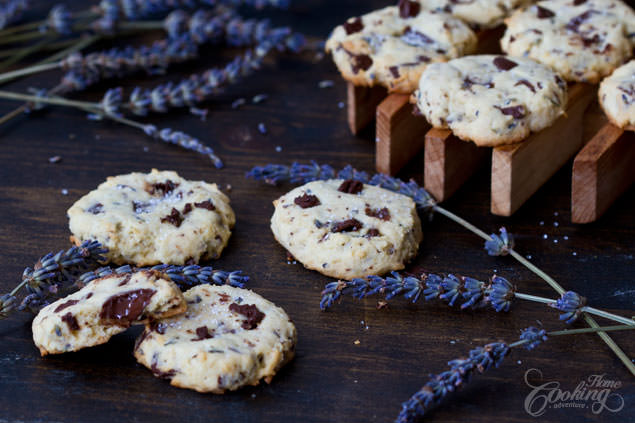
<point x="518" y="170"/>
<point x="362" y="103"/>
<point x="449" y="162"/>
<point x="602" y="171"/>
<point x="400" y="134"/>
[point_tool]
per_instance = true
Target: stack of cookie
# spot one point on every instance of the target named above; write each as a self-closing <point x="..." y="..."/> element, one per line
<point x="488" y="100"/>
<point x="210" y="338"/>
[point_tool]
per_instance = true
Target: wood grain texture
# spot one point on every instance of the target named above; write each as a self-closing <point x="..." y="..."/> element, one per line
<point x="449" y="162"/>
<point x="362" y="104"/>
<point x="400" y="135"/>
<point x="602" y="171"/>
<point x="331" y="379"/>
<point x="518" y="170"/>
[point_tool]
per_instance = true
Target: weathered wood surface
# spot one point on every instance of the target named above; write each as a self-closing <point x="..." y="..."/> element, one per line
<point x="331" y="379"/>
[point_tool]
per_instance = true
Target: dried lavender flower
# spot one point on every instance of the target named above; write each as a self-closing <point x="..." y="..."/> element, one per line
<point x="500" y="244"/>
<point x="59" y="20"/>
<point x="533" y="336"/>
<point x="571" y="304"/>
<point x="183" y="140"/>
<point x="52" y="274"/>
<point x="461" y="370"/>
<point x="11" y="11"/>
<point x="184" y="276"/>
<point x="8" y="303"/>
<point x="501" y="294"/>
<point x="299" y="173"/>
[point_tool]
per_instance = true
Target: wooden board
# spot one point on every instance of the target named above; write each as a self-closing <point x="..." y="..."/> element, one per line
<point x="449" y="162"/>
<point x="362" y="104"/>
<point x="602" y="171"/>
<point x="400" y="134"/>
<point x="518" y="170"/>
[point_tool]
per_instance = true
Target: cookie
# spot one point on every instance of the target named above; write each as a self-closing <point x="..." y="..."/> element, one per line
<point x="479" y="14"/>
<point x="228" y="338"/>
<point x="582" y="40"/>
<point x="491" y="100"/>
<point x="346" y="229"/>
<point x="617" y="96"/>
<point x="146" y="219"/>
<point x="104" y="308"/>
<point x="392" y="46"/>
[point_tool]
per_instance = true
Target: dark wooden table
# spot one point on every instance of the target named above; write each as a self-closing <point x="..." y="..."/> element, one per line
<point x="332" y="379"/>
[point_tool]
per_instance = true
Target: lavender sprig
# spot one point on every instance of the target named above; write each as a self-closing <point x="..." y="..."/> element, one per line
<point x="11" y="11"/>
<point x="184" y="276"/>
<point x="198" y="87"/>
<point x="8" y="303"/>
<point x="53" y="273"/>
<point x="297" y="173"/>
<point x="479" y="360"/>
<point x="498" y="293"/>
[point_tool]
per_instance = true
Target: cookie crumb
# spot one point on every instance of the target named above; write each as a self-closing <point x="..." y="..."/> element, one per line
<point x="357" y="342"/>
<point x="382" y="304"/>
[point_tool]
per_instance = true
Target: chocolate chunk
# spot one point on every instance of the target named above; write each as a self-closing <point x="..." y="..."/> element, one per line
<point x="560" y="81"/>
<point x="174" y="218"/>
<point x="394" y="70"/>
<point x="125" y="280"/>
<point x="415" y="38"/>
<point x="65" y="305"/>
<point x="163" y="375"/>
<point x="95" y="208"/>
<point x="589" y="41"/>
<point x="307" y="201"/>
<point x="361" y="62"/>
<point x="251" y="312"/>
<point x="71" y="321"/>
<point x="468" y="82"/>
<point x="351" y="186"/>
<point x="544" y="13"/>
<point x="187" y="208"/>
<point x="504" y="64"/>
<point x="578" y="2"/>
<point x="163" y="188"/>
<point x="123" y="309"/>
<point x="158" y="327"/>
<point x="408" y="8"/>
<point x="423" y="59"/>
<point x="518" y="112"/>
<point x="349" y="225"/>
<point x="140" y="207"/>
<point x="353" y="26"/>
<point x="372" y="233"/>
<point x="574" y="23"/>
<point x="383" y="213"/>
<point x="203" y="333"/>
<point x="207" y="204"/>
<point x="526" y="84"/>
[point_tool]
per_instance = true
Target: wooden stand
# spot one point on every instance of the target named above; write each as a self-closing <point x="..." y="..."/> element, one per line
<point x="602" y="171"/>
<point x="362" y="104"/>
<point x="400" y="134"/>
<point x="449" y="162"/>
<point x="518" y="170"/>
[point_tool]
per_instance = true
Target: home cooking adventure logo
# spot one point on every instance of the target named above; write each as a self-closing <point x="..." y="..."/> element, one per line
<point x="596" y="393"/>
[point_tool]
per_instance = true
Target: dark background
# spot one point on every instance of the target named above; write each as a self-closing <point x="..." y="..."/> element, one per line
<point x="331" y="378"/>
